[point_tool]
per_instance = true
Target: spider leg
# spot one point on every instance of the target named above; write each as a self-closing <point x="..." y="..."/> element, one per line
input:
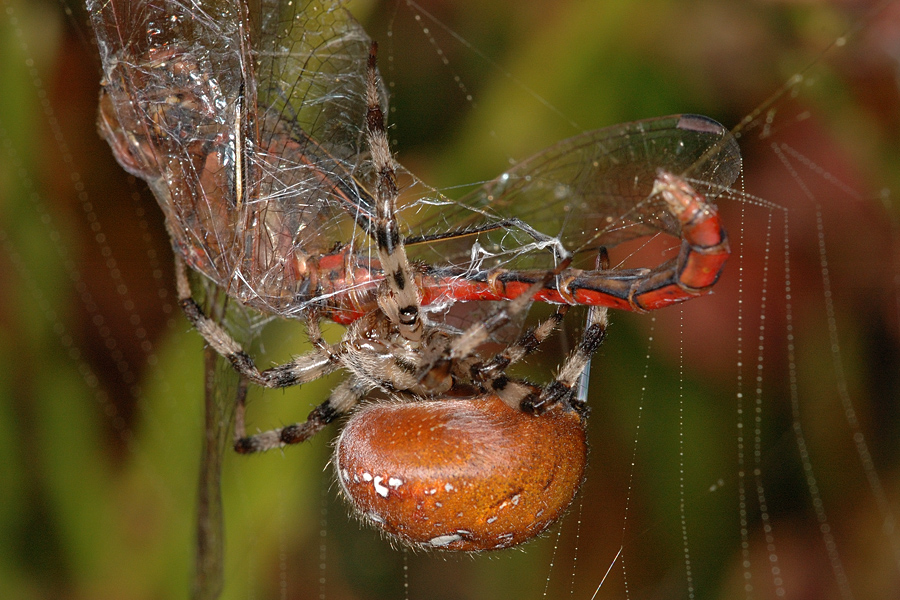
<point x="314" y="334"/>
<point x="478" y="333"/>
<point x="522" y="395"/>
<point x="528" y="343"/>
<point x="402" y="299"/>
<point x="491" y="375"/>
<point x="342" y="399"/>
<point x="302" y="369"/>
<point x="460" y="358"/>
<point x="562" y="389"/>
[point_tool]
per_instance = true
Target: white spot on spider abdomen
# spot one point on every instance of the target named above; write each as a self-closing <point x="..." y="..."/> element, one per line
<point x="380" y="489"/>
<point x="444" y="540"/>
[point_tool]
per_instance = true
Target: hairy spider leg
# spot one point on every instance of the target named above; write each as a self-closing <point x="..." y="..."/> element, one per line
<point x="302" y="369"/>
<point x="401" y="304"/>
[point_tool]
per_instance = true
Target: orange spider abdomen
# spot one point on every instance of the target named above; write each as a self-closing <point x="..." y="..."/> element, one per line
<point x="461" y="474"/>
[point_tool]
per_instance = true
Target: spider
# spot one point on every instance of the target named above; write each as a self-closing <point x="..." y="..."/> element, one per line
<point x="258" y="176"/>
<point x="438" y="378"/>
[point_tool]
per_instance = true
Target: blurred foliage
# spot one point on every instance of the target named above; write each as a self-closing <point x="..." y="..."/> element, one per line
<point x="101" y="378"/>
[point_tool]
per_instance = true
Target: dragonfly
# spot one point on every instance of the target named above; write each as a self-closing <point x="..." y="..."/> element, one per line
<point x="259" y="127"/>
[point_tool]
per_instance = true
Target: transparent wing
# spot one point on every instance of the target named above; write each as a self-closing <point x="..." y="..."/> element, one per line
<point x="588" y="191"/>
<point x="245" y="119"/>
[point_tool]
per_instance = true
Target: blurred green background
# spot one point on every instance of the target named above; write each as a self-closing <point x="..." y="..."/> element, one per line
<point x="101" y="377"/>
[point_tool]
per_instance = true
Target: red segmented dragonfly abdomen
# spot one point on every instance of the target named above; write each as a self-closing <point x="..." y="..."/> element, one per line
<point x="342" y="285"/>
<point x="703" y="255"/>
<point x="345" y="284"/>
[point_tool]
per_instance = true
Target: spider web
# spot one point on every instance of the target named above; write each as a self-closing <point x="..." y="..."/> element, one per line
<point x="113" y="426"/>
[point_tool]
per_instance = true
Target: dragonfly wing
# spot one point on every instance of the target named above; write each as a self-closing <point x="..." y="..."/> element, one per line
<point x="588" y="191"/>
<point x="247" y="124"/>
<point x="312" y="74"/>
